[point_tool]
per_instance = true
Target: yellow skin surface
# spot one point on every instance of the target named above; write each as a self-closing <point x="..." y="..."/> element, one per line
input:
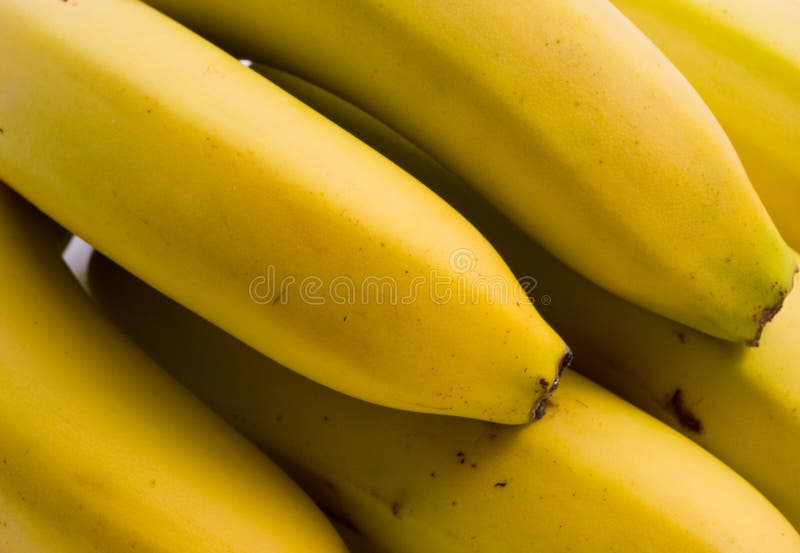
<point x="746" y="400"/>
<point x="743" y="57"/>
<point x="199" y="176"/>
<point x="100" y="450"/>
<point x="595" y="474"/>
<point x="564" y="116"/>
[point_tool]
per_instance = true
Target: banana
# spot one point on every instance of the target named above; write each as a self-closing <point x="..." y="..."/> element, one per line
<point x="100" y="450"/>
<point x="259" y="214"/>
<point x="742" y="404"/>
<point x="743" y="57"/>
<point x="565" y="117"/>
<point x="595" y="474"/>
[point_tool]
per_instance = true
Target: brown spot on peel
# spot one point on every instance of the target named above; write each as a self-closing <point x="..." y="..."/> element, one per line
<point x="686" y="418"/>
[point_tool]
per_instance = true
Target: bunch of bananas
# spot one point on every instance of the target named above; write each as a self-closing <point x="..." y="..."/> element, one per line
<point x="362" y="264"/>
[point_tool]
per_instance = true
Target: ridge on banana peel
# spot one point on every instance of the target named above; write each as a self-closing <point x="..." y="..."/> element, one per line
<point x="103" y="451"/>
<point x="743" y="57"/>
<point x="742" y="404"/>
<point x="595" y="474"/>
<point x="565" y="117"/>
<point x="256" y="212"/>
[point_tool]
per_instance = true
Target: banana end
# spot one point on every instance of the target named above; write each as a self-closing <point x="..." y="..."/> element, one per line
<point x="540" y="407"/>
<point x="768" y="313"/>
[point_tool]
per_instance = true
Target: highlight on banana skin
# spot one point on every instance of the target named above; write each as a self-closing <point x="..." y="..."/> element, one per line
<point x="399" y="277"/>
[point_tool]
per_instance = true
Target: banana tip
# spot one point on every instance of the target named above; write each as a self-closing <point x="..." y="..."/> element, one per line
<point x="539" y="408"/>
<point x="769" y="313"/>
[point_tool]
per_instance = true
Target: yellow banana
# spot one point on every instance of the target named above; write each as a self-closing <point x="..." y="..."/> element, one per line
<point x="743" y="57"/>
<point x="259" y="214"/>
<point x="595" y="474"/>
<point x="742" y="404"/>
<point x="102" y="451"/>
<point x="564" y="116"/>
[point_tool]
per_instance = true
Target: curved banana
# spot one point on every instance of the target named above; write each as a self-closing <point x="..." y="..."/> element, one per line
<point x="742" y="404"/>
<point x="102" y="451"/>
<point x="259" y="214"/>
<point x="565" y="117"/>
<point x="743" y="57"/>
<point x="595" y="474"/>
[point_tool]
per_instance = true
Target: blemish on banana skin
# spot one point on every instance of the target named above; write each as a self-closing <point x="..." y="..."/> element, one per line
<point x="686" y="418"/>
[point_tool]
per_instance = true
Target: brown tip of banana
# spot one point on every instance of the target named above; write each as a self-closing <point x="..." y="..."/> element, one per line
<point x="539" y="408"/>
<point x="769" y="313"/>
